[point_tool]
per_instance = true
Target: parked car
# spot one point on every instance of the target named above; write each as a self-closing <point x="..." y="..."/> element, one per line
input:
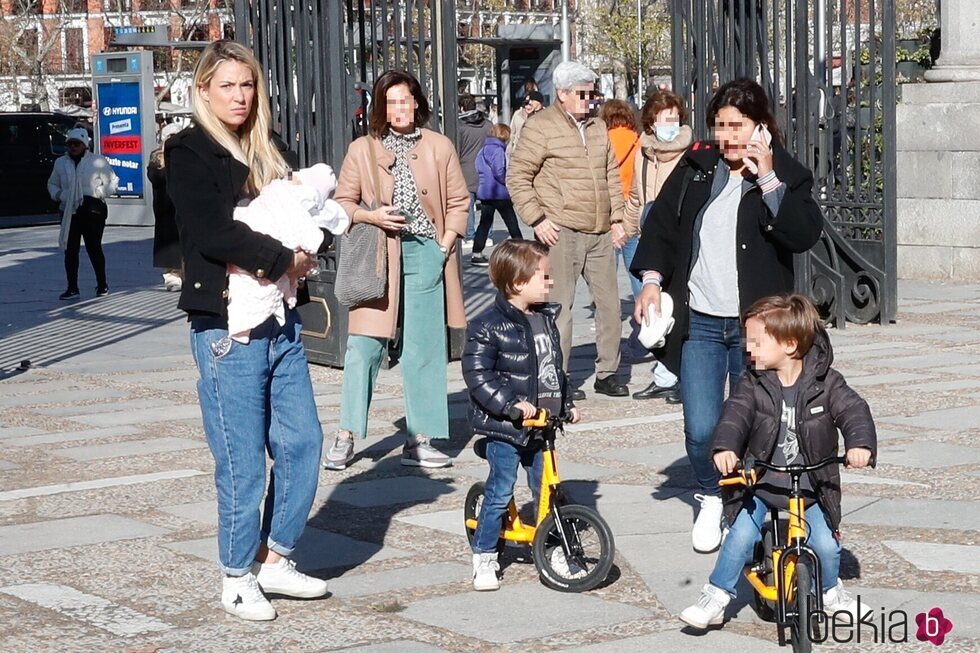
<point x="29" y="145"/>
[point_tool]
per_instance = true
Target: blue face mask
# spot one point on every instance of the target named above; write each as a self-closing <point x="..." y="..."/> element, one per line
<point x="667" y="132"/>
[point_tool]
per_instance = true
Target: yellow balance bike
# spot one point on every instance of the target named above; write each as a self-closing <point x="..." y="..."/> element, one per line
<point x="571" y="545"/>
<point x="785" y="572"/>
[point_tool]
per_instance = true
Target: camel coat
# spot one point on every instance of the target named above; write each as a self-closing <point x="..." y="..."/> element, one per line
<point x="445" y="200"/>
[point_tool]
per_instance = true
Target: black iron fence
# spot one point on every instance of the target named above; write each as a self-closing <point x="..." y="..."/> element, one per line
<point x="321" y="58"/>
<point x="828" y="66"/>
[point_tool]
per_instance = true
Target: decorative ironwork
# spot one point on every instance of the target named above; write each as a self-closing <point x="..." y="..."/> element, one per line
<point x="828" y="66"/>
<point x="321" y="58"/>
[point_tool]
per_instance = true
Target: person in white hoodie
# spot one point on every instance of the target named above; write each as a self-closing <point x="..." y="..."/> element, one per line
<point x="80" y="181"/>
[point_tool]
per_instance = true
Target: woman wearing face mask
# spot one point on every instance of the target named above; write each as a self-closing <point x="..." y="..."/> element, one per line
<point x="665" y="138"/>
<point x="411" y="178"/>
<point x="721" y="235"/>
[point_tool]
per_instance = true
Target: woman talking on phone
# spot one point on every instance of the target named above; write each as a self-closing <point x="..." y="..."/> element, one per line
<point x="722" y="234"/>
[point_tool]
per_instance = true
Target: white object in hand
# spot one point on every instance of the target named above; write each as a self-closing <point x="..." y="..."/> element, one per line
<point x="653" y="332"/>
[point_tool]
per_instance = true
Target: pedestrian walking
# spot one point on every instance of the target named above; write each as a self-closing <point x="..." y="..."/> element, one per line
<point x="786" y="410"/>
<point x="471" y="132"/>
<point x="412" y="179"/>
<point x="664" y="140"/>
<point x="255" y="397"/>
<point x="532" y="104"/>
<point x="166" y="238"/>
<point x="721" y="235"/>
<point x="564" y="180"/>
<point x="512" y="360"/>
<point x="491" y="165"/>
<point x="80" y="181"/>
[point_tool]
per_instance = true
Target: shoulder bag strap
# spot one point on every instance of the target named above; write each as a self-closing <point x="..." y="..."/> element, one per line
<point x="632" y="147"/>
<point x="374" y="173"/>
<point x="643" y="175"/>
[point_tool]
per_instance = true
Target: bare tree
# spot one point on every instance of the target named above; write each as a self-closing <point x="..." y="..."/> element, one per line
<point x="27" y="39"/>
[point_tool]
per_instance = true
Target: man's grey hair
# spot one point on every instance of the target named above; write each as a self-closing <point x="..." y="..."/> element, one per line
<point x="571" y="73"/>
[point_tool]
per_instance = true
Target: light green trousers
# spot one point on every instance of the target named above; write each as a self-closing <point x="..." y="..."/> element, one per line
<point x="423" y="357"/>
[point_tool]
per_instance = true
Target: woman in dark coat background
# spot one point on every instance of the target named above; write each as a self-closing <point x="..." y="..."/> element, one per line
<point x="166" y="239"/>
<point x="722" y="234"/>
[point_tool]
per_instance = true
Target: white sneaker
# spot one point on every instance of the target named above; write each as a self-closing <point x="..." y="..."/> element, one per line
<point x="837" y="599"/>
<point x="563" y="568"/>
<point x="242" y="597"/>
<point x="485" y="569"/>
<point x="709" y="610"/>
<point x="282" y="578"/>
<point x="706" y="535"/>
<point x="467" y="244"/>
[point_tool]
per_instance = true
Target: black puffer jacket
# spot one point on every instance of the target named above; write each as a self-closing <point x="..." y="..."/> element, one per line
<point x="500" y="368"/>
<point x="749" y="424"/>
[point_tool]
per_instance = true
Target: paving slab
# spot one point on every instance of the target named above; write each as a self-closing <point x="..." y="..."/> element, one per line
<point x="112" y="407"/>
<point x="853" y="478"/>
<point x="392" y="491"/>
<point x="88" y="608"/>
<point x="447" y="521"/>
<point x="61" y="397"/>
<point x="932" y="360"/>
<point x="98" y="484"/>
<point x="72" y="436"/>
<point x="946" y="386"/>
<point x="929" y="455"/>
<point x="964" y="418"/>
<point x="716" y="641"/>
<point x="893" y="378"/>
<point x="920" y="513"/>
<point x="586" y="426"/>
<point x="18" y="431"/>
<point x="316" y="549"/>
<point x="353" y="584"/>
<point x="75" y="531"/>
<point x="129" y="448"/>
<point x="7" y="465"/>
<point x="514" y="613"/>
<point x="148" y="416"/>
<point x="398" y="646"/>
<point x="929" y="556"/>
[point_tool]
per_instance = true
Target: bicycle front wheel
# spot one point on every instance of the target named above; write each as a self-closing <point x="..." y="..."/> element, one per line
<point x="803" y="605"/>
<point x="591" y="548"/>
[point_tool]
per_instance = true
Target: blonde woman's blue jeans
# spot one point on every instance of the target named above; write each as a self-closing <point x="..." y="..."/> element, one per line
<point x="424" y="355"/>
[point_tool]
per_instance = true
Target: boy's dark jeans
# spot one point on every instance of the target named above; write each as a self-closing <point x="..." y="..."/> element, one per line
<point x="504" y="459"/>
<point x="90" y="228"/>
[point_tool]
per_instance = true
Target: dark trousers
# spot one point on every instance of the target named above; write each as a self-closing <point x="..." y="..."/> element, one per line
<point x="90" y="228"/>
<point x="487" y="209"/>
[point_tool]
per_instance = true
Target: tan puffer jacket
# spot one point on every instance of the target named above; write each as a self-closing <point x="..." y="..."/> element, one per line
<point x="553" y="175"/>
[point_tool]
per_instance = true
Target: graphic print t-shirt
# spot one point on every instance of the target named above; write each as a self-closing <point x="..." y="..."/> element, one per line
<point x="774" y="487"/>
<point x="549" y="384"/>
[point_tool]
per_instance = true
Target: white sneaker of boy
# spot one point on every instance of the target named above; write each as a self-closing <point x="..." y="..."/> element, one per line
<point x="282" y="578"/>
<point x="709" y="610"/>
<point x="241" y="596"/>
<point x="485" y="568"/>
<point x="706" y="535"/>
<point x="837" y="599"/>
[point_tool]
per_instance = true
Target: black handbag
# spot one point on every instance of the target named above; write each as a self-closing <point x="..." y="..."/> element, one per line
<point x="93" y="208"/>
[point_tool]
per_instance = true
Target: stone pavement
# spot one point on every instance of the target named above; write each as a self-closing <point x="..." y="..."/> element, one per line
<point x="107" y="507"/>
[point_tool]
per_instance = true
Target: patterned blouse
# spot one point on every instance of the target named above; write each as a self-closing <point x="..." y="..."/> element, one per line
<point x="406" y="194"/>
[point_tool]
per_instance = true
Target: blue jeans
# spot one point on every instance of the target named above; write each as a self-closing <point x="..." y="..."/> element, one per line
<point x="504" y="459"/>
<point x="471" y="219"/>
<point x="712" y="352"/>
<point x="628" y="251"/>
<point x="257" y="398"/>
<point x="736" y="550"/>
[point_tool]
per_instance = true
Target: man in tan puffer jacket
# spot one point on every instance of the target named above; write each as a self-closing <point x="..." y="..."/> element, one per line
<point x="564" y="181"/>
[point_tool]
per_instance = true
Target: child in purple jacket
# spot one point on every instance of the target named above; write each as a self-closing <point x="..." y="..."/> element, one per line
<point x="491" y="165"/>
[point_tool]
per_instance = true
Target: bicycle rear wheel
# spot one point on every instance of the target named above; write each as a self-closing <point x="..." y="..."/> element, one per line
<point x="763" y="558"/>
<point x="471" y="510"/>
<point x="803" y="606"/>
<point x="591" y="545"/>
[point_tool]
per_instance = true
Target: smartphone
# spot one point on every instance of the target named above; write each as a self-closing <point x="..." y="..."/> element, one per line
<point x="762" y="134"/>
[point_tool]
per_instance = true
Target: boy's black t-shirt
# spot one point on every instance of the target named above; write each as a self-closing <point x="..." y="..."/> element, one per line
<point x="774" y="487"/>
<point x="549" y="385"/>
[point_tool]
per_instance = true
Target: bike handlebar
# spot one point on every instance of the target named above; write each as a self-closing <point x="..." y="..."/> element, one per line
<point x="541" y="420"/>
<point x="747" y="474"/>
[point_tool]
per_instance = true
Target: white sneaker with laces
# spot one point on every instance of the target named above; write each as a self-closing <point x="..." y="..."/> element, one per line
<point x="837" y="599"/>
<point x="282" y="578"/>
<point x="485" y="569"/>
<point x="706" y="534"/>
<point x="563" y="567"/>
<point x="340" y="453"/>
<point x="241" y="596"/>
<point x="709" y="610"/>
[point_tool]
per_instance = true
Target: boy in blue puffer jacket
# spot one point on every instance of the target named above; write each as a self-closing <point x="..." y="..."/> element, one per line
<point x="512" y="359"/>
<point x="491" y="166"/>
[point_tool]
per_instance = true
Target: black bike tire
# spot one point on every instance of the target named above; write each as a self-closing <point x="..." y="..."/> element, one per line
<point x="766" y="610"/>
<point x="471" y="510"/>
<point x="800" y="626"/>
<point x="547" y="536"/>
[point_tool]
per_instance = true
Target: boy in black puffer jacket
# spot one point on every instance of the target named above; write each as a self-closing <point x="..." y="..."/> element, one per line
<point x="512" y="359"/>
<point x="786" y="409"/>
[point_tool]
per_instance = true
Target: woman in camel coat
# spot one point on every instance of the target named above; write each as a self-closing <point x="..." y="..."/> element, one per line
<point x="421" y="203"/>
